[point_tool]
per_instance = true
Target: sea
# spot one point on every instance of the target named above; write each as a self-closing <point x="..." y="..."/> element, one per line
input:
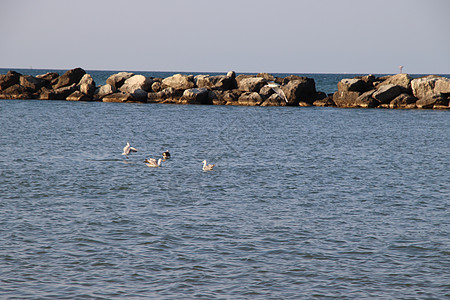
<point x="303" y="202"/>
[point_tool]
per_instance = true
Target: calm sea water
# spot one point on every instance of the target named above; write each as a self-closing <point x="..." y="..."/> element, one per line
<point x="303" y="202"/>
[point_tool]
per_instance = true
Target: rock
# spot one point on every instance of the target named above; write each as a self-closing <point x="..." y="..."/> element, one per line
<point x="196" y="96"/>
<point x="117" y="80"/>
<point x="266" y="92"/>
<point x="137" y="82"/>
<point x="274" y="100"/>
<point x="387" y="93"/>
<point x="58" y="94"/>
<point x="31" y="83"/>
<point x="179" y="81"/>
<point x="70" y="77"/>
<point x="78" y="96"/>
<point x="11" y="78"/>
<point x="87" y="85"/>
<point x="432" y="101"/>
<point x="103" y="91"/>
<point x="346" y="98"/>
<point x="250" y="99"/>
<point x="118" y="97"/>
<point x="301" y="90"/>
<point x="251" y="84"/>
<point x="49" y="77"/>
<point x="167" y="95"/>
<point x="442" y="85"/>
<point x="156" y="86"/>
<point x="354" y="85"/>
<point x="424" y="86"/>
<point x="402" y="80"/>
<point x="216" y="97"/>
<point x="231" y="74"/>
<point x="217" y="82"/>
<point x="325" y="102"/>
<point x="266" y="76"/>
<point x="16" y="91"/>
<point x="366" y="100"/>
<point x="403" y="101"/>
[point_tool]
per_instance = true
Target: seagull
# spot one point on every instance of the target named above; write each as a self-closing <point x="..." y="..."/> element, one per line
<point x="127" y="149"/>
<point x="207" y="167"/>
<point x="166" y="154"/>
<point x="276" y="88"/>
<point x="152" y="163"/>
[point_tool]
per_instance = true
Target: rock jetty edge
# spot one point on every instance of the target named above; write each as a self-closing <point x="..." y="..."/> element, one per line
<point x="396" y="91"/>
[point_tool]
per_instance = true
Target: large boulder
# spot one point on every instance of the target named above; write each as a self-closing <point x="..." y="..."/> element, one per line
<point x="137" y="82"/>
<point x="424" y="86"/>
<point x="118" y="79"/>
<point x="354" y="85"/>
<point x="250" y="99"/>
<point x="432" y="101"/>
<point x="70" y="77"/>
<point x="216" y="82"/>
<point x="179" y="81"/>
<point x="403" y="101"/>
<point x="78" y="96"/>
<point x="16" y="91"/>
<point x="32" y="83"/>
<point x="49" y="77"/>
<point x="58" y="94"/>
<point x="167" y="95"/>
<point x="442" y="85"/>
<point x="87" y="85"/>
<point x="403" y="80"/>
<point x="387" y="93"/>
<point x="11" y="78"/>
<point x="366" y="100"/>
<point x="118" y="97"/>
<point x="103" y="91"/>
<point x="251" y="84"/>
<point x="196" y="96"/>
<point x="346" y="98"/>
<point x="300" y="91"/>
<point x="274" y="100"/>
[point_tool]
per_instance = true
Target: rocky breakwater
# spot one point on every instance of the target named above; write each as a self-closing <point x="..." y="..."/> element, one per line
<point x="396" y="91"/>
<point x="77" y="85"/>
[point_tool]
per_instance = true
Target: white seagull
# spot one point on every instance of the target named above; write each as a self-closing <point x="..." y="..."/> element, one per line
<point x="127" y="149"/>
<point x="153" y="163"/>
<point x="207" y="167"/>
<point x="276" y="88"/>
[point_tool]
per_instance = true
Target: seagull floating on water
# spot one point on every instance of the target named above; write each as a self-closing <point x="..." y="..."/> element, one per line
<point x="207" y="167"/>
<point x="276" y="88"/>
<point x="166" y="154"/>
<point x="153" y="163"/>
<point x="127" y="149"/>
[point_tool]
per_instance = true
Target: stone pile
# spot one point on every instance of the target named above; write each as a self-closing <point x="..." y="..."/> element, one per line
<point x="228" y="89"/>
<point x="397" y="91"/>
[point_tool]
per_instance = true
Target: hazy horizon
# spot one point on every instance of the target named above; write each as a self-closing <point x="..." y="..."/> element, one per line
<point x="250" y="36"/>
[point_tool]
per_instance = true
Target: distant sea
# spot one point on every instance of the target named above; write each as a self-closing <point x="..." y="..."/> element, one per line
<point x="325" y="82"/>
<point x="304" y="202"/>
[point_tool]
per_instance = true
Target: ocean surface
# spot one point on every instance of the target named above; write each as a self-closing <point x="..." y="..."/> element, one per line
<point x="303" y="202"/>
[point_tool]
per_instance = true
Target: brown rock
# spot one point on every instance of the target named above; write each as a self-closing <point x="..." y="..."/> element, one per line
<point x="346" y="98"/>
<point x="179" y="81"/>
<point x="250" y="99"/>
<point x="403" y="101"/>
<point x="11" y="78"/>
<point x="78" y="96"/>
<point x="387" y="93"/>
<point x="70" y="77"/>
<point x="432" y="101"/>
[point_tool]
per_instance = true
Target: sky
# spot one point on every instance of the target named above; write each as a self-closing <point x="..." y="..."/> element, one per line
<point x="284" y="36"/>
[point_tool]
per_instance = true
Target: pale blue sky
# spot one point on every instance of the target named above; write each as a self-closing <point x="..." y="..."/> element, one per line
<point x="288" y="36"/>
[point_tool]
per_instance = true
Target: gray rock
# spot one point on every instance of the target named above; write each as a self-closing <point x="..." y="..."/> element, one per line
<point x="251" y="84"/>
<point x="196" y="96"/>
<point x="32" y="83"/>
<point x="11" y="78"/>
<point x="402" y="80"/>
<point x="250" y="99"/>
<point x="325" y="102"/>
<point x="403" y="101"/>
<point x="424" y="86"/>
<point x="70" y="77"/>
<point x="432" y="101"/>
<point x="346" y="98"/>
<point x="301" y="90"/>
<point x="366" y="100"/>
<point x="179" y="81"/>
<point x="274" y="100"/>
<point x="216" y="82"/>
<point x="354" y="85"/>
<point x="87" y="85"/>
<point x="137" y="82"/>
<point x="387" y="93"/>
<point x="118" y="97"/>
<point x="442" y="85"/>
<point x="117" y="80"/>
<point x="49" y="77"/>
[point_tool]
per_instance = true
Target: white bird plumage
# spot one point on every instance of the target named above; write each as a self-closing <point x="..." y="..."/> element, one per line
<point x="276" y="88"/>
<point x="153" y="163"/>
<point x="127" y="149"/>
<point x="207" y="167"/>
